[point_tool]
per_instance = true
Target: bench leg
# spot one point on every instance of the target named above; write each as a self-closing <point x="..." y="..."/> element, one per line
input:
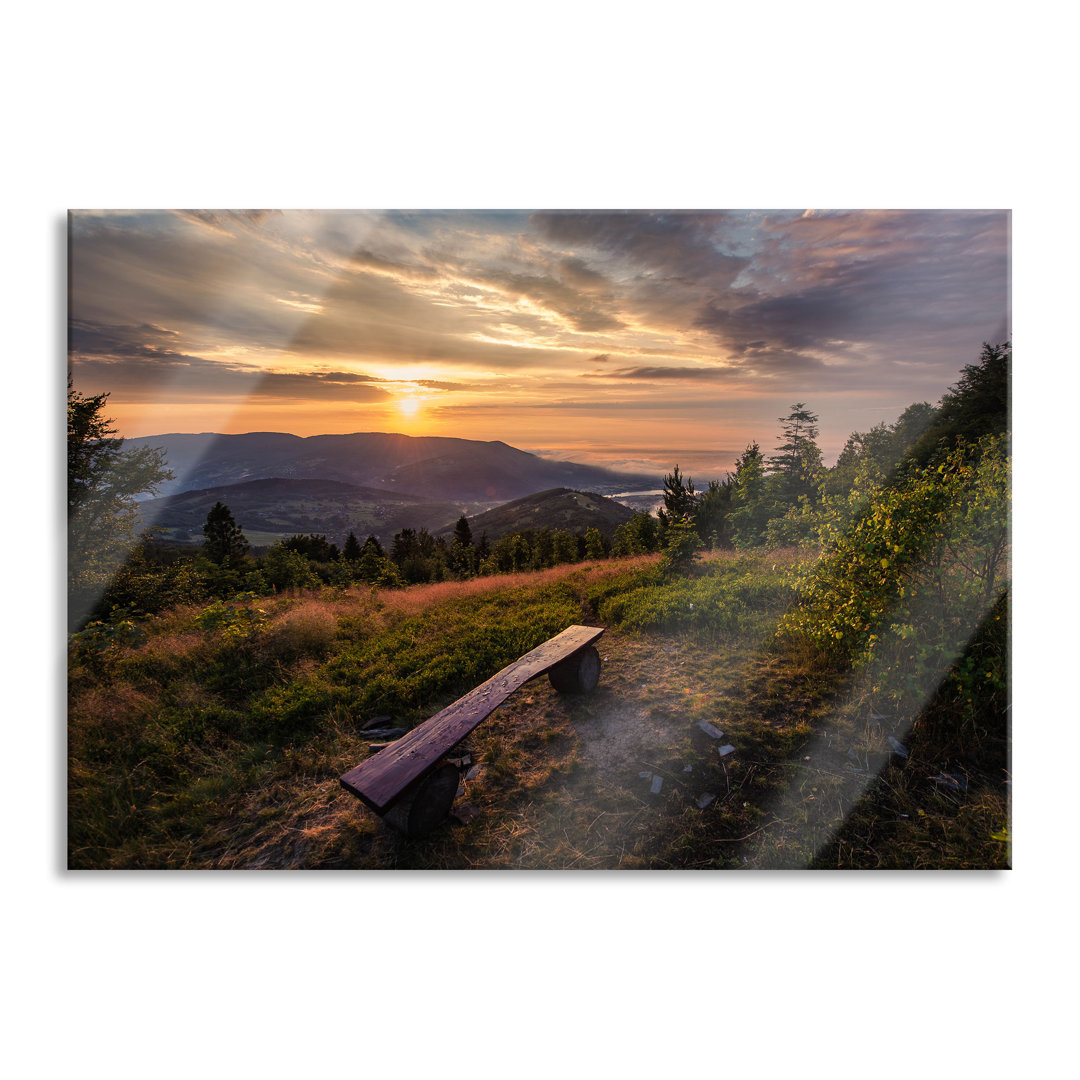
<point x="424" y="805"/>
<point x="577" y="674"/>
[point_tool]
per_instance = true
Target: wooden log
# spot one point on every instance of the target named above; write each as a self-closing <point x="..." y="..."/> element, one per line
<point x="425" y="804"/>
<point x="577" y="674"/>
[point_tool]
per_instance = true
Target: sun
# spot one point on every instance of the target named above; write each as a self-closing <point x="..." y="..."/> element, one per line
<point x="409" y="406"/>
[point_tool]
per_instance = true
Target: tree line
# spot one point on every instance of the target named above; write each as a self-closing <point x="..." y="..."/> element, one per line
<point x="786" y="498"/>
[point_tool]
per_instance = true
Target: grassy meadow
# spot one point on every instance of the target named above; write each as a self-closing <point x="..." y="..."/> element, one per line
<point x="213" y="735"/>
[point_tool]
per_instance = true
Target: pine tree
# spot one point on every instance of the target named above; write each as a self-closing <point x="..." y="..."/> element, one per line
<point x="797" y="465"/>
<point x="462" y="554"/>
<point x="680" y="501"/>
<point x="102" y="482"/>
<point x="351" y="551"/>
<point x="594" y="543"/>
<point x="225" y="544"/>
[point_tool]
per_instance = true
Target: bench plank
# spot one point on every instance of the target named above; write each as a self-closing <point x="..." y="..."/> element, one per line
<point x="380" y="779"/>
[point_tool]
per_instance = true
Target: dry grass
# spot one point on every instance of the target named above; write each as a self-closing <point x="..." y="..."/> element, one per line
<point x="417" y="598"/>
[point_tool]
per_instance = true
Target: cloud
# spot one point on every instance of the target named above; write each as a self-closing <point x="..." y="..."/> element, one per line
<point x="434" y="384"/>
<point x="309" y="305"/>
<point x="130" y="361"/>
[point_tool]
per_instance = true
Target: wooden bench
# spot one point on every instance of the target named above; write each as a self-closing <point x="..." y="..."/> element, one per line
<point x="410" y="784"/>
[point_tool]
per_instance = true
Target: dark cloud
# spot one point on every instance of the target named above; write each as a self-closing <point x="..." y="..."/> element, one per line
<point x="686" y="246"/>
<point x="650" y="374"/>
<point x="889" y="278"/>
<point x="131" y="361"/>
<point x="144" y="341"/>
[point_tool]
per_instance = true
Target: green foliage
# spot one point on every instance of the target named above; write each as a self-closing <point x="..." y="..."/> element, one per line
<point x="680" y="499"/>
<point x="797" y="463"/>
<point x="102" y="482"/>
<point x="594" y="544"/>
<point x="713" y="513"/>
<point x="907" y="580"/>
<point x="463" y="560"/>
<point x="977" y="406"/>
<point x="681" y="545"/>
<point x="420" y="557"/>
<point x="102" y="640"/>
<point x="234" y="622"/>
<point x="284" y="568"/>
<point x="313" y="546"/>
<point x="753" y="503"/>
<point x="144" y="585"/>
<point x="638" y="536"/>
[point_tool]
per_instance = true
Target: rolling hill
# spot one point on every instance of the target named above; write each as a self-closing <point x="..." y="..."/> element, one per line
<point x="559" y="508"/>
<point x="274" y="508"/>
<point x="425" y="467"/>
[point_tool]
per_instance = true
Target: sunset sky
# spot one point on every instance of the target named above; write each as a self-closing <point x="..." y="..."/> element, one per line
<point x="630" y="339"/>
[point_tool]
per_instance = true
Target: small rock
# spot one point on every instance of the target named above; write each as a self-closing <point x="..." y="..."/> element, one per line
<point x="646" y="775"/>
<point x="723" y="751"/>
<point x="464" y="813"/>
<point x="950" y="782"/>
<point x="460" y="789"/>
<point x="688" y="768"/>
<point x="705" y="799"/>
<point x="898" y="747"/>
<point x="473" y="773"/>
<point x="377" y="721"/>
<point x="657" y="784"/>
<point x="711" y="730"/>
<point x="385" y="733"/>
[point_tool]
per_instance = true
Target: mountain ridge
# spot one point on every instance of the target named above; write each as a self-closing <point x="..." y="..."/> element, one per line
<point x="424" y="466"/>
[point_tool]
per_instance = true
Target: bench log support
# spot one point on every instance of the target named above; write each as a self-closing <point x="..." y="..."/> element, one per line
<point x="409" y="783"/>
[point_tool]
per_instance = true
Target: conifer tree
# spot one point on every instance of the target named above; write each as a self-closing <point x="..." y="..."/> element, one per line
<point x="351" y="551"/>
<point x="225" y="543"/>
<point x="102" y="482"/>
<point x="797" y="464"/>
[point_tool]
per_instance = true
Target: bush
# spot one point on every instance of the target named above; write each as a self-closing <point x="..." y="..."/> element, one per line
<point x="909" y="580"/>
<point x="287" y="569"/>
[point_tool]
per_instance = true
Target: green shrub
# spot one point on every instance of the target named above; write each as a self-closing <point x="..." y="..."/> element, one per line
<point x="907" y="582"/>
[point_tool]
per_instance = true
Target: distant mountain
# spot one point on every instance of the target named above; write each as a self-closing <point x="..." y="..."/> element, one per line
<point x="275" y="508"/>
<point x="559" y="508"/>
<point x="430" y="467"/>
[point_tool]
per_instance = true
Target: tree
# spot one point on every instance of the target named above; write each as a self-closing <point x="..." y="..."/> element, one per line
<point x="314" y="546"/>
<point x="594" y="543"/>
<point x="462" y="554"/>
<point x="225" y="544"/>
<point x="102" y="482"/>
<point x="797" y="463"/>
<point x="978" y="405"/>
<point x="751" y="504"/>
<point x="351" y="551"/>
<point x="680" y="499"/>
<point x="712" y="519"/>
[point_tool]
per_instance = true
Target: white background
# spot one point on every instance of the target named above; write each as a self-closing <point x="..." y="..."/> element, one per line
<point x="564" y="105"/>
